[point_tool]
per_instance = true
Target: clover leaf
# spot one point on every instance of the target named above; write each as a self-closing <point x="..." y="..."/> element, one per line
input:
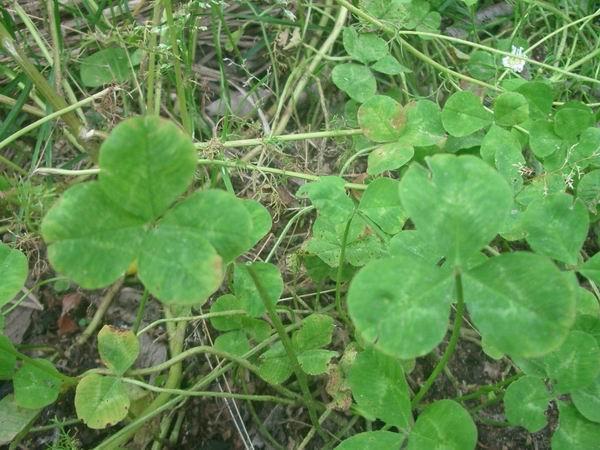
<point x="525" y="403"/>
<point x="118" y="348"/>
<point x="443" y="424"/>
<point x="13" y="271"/>
<point x="316" y="331"/>
<point x="98" y="229"/>
<point x="380" y="389"/>
<point x="460" y="204"/>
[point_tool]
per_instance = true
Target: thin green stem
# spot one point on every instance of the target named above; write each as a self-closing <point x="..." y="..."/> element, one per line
<point x="287" y="345"/>
<point x="233" y="312"/>
<point x="179" y="84"/>
<point x="275" y="139"/>
<point x="62" y="112"/>
<point x="66" y="380"/>
<point x="188" y="393"/>
<point x="338" y="278"/>
<point x="140" y="312"/>
<point x="489" y="388"/>
<point x="458" y="319"/>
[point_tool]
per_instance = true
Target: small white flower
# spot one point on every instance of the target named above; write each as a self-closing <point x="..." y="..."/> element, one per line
<point x="515" y="61"/>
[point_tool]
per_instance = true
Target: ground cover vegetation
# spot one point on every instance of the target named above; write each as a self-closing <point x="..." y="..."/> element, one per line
<point x="323" y="224"/>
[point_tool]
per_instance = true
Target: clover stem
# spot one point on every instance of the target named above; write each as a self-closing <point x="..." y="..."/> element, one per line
<point x="67" y="380"/>
<point x="458" y="319"/>
<point x="340" y="271"/>
<point x="488" y="388"/>
<point x="104" y="304"/>
<point x="289" y="349"/>
<point x="140" y="311"/>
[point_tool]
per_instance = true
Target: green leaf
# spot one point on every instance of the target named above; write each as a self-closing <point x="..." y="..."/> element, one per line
<point x="315" y="332"/>
<point x="275" y="366"/>
<point x="364" y="47"/>
<point x="361" y="245"/>
<point x="381" y="118"/>
<point x="215" y="216"/>
<point x="91" y="240"/>
<point x="423" y="125"/>
<point x="355" y="80"/>
<point x="178" y="265"/>
<point x="147" y="163"/>
<point x="389" y="65"/>
<point x="511" y="108"/>
<point x="587" y="303"/>
<point x="496" y="141"/>
<point x="315" y="361"/>
<point x="234" y="342"/>
<point x="464" y="114"/>
<point x="14" y="419"/>
<point x="509" y="162"/>
<point x="35" y="386"/>
<point x="514" y="306"/>
<point x="106" y="66"/>
<point x="591" y="268"/>
<point x="227" y="302"/>
<point x="574" y="431"/>
<point x="245" y="288"/>
<point x="328" y="194"/>
<point x="482" y="65"/>
<point x="101" y="401"/>
<point x="380" y="389"/>
<point x="574" y="365"/>
<point x="261" y="222"/>
<point x="118" y="348"/>
<point x="8" y="359"/>
<point x="541" y="186"/>
<point x="462" y="195"/>
<point x="381" y="203"/>
<point x="540" y="96"/>
<point x="587" y="151"/>
<point x="557" y="226"/>
<point x="588" y="190"/>
<point x="587" y="400"/>
<point x="572" y="118"/>
<point x="413" y="244"/>
<point x="389" y="157"/>
<point x="542" y="140"/>
<point x="374" y="440"/>
<point x="525" y="403"/>
<point x="443" y="424"/>
<point x="13" y="271"/>
<point x="406" y="319"/>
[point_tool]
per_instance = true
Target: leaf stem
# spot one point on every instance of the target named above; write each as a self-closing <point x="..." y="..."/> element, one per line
<point x="340" y="271"/>
<point x="458" y="319"/>
<point x="287" y="345"/>
<point x="61" y="112"/>
<point x="98" y="316"/>
<point x="140" y="312"/>
<point x="179" y="86"/>
<point x="188" y="393"/>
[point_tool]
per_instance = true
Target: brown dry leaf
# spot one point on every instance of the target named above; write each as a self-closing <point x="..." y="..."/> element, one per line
<point x="70" y="302"/>
<point x="65" y="323"/>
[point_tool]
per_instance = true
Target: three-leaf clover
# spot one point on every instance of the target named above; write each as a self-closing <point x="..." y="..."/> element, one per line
<point x="131" y="217"/>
